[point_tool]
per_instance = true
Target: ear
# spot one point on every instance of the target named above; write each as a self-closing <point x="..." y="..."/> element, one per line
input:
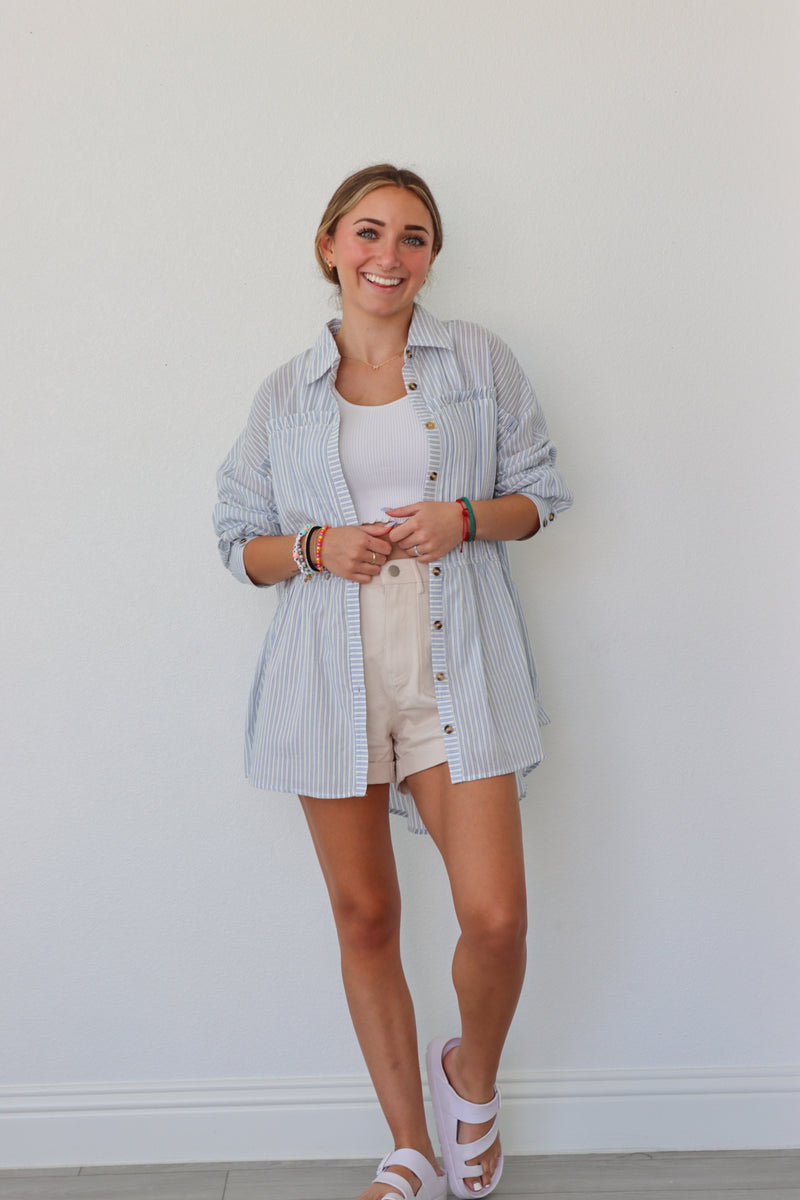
<point x="326" y="246"/>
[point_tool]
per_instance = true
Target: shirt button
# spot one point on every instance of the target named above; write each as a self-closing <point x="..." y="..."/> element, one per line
<point x="394" y="569"/>
<point x="439" y="676"/>
<point x="552" y="516"/>
<point x="544" y="523"/>
<point x="437" y="624"/>
<point x="436" y="571"/>
<point x="409" y="354"/>
<point x="430" y="424"/>
<point x="412" y="387"/>
<point x="433" y="475"/>
<point x="448" y="728"/>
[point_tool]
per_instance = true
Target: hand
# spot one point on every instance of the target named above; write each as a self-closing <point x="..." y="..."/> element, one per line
<point x="355" y="552"/>
<point x="434" y="527"/>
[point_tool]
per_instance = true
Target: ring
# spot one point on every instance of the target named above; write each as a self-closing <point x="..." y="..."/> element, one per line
<point x="416" y="551"/>
<point x="373" y="556"/>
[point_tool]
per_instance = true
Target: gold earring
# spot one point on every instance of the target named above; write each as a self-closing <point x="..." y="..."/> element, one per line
<point x="330" y="266"/>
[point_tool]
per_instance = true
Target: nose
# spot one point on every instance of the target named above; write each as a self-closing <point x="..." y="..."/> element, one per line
<point x="388" y="256"/>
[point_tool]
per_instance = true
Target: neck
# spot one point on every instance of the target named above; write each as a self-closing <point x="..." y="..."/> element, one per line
<point x="373" y="339"/>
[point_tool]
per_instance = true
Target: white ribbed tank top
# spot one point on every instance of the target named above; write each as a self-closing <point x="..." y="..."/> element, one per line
<point x="384" y="455"/>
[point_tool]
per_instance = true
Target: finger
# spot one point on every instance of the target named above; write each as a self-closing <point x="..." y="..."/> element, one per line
<point x="401" y="533"/>
<point x="409" y="510"/>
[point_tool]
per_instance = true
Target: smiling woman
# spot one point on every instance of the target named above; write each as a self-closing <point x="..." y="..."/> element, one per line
<point x="386" y="467"/>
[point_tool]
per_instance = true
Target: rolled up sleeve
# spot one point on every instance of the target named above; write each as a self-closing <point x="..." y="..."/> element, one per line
<point x="526" y="456"/>
<point x="246" y="505"/>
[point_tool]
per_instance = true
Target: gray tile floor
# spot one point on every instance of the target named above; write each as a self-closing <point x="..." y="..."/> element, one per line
<point x="723" y="1175"/>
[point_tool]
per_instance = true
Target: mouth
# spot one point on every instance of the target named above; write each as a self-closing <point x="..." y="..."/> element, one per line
<point x="384" y="281"/>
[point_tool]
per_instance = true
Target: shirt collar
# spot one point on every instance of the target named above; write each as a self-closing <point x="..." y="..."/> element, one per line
<point x="425" y="330"/>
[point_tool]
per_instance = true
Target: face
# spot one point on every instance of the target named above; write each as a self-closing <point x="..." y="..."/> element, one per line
<point x="382" y="250"/>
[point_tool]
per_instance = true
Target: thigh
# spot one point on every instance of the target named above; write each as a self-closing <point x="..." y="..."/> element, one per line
<point x="353" y="843"/>
<point x="477" y="829"/>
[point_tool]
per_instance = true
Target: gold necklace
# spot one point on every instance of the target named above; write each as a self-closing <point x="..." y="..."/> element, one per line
<point x="374" y="366"/>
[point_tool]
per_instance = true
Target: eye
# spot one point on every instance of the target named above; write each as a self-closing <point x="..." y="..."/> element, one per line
<point x="367" y="233"/>
<point x="413" y="240"/>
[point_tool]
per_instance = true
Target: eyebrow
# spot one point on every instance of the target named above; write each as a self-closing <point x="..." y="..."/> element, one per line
<point x="375" y="221"/>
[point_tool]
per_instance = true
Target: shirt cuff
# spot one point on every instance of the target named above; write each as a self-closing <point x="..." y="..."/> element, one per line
<point x="547" y="513"/>
<point x="236" y="562"/>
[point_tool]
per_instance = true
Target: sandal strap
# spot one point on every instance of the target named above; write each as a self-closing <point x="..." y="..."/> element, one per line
<point x="413" y="1161"/>
<point x="473" y="1114"/>
<point x="465" y="1150"/>
<point x="395" y="1181"/>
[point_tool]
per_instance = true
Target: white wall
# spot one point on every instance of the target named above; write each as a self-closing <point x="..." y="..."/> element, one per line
<point x="619" y="183"/>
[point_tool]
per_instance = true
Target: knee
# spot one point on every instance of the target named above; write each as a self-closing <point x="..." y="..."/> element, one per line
<point x="497" y="930"/>
<point x="367" y="924"/>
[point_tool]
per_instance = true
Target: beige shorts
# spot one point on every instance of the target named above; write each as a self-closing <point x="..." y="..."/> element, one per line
<point x="404" y="733"/>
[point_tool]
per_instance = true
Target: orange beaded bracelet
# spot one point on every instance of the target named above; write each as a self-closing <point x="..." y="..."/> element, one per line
<point x="318" y="552"/>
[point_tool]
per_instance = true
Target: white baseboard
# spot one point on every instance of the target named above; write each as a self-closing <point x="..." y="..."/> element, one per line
<point x="338" y="1117"/>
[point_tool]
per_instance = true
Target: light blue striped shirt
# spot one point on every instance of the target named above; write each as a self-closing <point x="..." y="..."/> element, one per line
<point x="306" y="723"/>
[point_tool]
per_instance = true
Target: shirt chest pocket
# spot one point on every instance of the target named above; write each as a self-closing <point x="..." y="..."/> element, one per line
<point x="305" y="465"/>
<point x="467" y="423"/>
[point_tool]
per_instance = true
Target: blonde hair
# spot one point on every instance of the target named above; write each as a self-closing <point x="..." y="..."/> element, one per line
<point x="358" y="185"/>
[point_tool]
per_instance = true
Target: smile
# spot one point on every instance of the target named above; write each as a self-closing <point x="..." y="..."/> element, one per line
<point x="383" y="280"/>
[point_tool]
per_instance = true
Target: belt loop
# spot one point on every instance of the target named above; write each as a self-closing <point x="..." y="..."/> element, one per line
<point x="419" y="580"/>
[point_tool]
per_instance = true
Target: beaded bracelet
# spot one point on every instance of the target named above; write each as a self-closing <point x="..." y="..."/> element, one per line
<point x="318" y="555"/>
<point x="467" y="523"/>
<point x="298" y="554"/>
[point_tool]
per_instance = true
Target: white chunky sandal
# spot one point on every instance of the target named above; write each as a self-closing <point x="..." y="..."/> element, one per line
<point x="432" y="1186"/>
<point x="449" y="1108"/>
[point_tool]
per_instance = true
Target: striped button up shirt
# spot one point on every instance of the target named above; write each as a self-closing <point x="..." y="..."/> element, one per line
<point x="486" y="437"/>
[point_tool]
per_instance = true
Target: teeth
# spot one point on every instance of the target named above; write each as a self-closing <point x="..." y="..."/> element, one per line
<point x="382" y="279"/>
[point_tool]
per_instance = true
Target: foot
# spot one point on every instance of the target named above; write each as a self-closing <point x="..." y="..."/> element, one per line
<point x="377" y="1191"/>
<point x="470" y="1133"/>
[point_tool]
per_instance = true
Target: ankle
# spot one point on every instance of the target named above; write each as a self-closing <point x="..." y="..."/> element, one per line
<point x="475" y="1085"/>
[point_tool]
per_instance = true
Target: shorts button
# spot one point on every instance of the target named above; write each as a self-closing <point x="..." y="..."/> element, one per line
<point x="437" y="624"/>
<point x="394" y="569"/>
<point x="448" y="728"/>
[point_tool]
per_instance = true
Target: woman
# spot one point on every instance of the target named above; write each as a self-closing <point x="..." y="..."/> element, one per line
<point x="378" y="477"/>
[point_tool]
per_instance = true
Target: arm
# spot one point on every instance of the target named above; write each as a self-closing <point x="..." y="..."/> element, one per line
<point x="246" y="509"/>
<point x="347" y="550"/>
<point x="526" y="456"/>
<point x="435" y="526"/>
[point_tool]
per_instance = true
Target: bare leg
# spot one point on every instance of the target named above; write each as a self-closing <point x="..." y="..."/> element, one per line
<point x="354" y="848"/>
<point x="477" y="828"/>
